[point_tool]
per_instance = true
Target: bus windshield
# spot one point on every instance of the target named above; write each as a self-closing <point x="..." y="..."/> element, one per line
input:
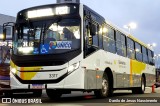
<point x="47" y="37"/>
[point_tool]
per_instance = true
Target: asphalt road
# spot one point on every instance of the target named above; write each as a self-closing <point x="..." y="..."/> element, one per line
<point x="88" y="99"/>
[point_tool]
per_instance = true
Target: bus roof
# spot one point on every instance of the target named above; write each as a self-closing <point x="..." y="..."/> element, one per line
<point x="120" y="29"/>
<point x="46" y="5"/>
<point x="140" y="42"/>
<point x="128" y="35"/>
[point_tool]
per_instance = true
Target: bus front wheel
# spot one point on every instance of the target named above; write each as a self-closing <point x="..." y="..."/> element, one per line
<point x="106" y="89"/>
<point x="53" y="94"/>
<point x="37" y="93"/>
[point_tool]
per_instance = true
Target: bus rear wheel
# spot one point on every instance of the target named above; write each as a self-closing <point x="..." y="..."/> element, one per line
<point x="143" y="86"/>
<point x="53" y="94"/>
<point x="106" y="90"/>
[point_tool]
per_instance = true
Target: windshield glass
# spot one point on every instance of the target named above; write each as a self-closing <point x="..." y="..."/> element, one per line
<point x="47" y="37"/>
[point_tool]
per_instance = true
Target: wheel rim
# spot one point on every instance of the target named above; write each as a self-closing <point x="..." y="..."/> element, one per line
<point x="104" y="86"/>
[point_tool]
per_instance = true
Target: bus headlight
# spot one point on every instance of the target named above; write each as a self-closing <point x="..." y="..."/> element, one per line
<point x="25" y="50"/>
<point x="73" y="67"/>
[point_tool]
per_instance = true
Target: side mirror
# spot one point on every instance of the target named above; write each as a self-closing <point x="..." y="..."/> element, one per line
<point x="92" y="29"/>
<point x="4" y="34"/>
<point x="5" y="25"/>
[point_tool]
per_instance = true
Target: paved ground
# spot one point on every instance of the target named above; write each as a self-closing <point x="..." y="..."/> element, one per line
<point x="85" y="99"/>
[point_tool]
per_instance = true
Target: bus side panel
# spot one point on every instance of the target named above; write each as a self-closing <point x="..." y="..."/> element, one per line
<point x="139" y="68"/>
<point x="90" y="77"/>
<point x="96" y="64"/>
<point x="150" y="75"/>
<point x="15" y="84"/>
<point x="94" y="71"/>
<point x="75" y="80"/>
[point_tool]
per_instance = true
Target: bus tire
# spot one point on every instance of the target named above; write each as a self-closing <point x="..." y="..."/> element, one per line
<point x="143" y="85"/>
<point x="37" y="93"/>
<point x="53" y="94"/>
<point x="106" y="90"/>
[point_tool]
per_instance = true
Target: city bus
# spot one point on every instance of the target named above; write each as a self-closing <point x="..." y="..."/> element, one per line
<point x="66" y="47"/>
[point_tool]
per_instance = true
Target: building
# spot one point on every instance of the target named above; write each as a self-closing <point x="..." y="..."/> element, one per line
<point x="4" y="19"/>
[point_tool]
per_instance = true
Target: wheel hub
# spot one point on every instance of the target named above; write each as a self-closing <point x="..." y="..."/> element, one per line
<point x="104" y="86"/>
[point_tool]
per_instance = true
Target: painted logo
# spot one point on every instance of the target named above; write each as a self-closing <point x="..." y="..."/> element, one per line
<point x="60" y="44"/>
<point x="52" y="45"/>
<point x="44" y="49"/>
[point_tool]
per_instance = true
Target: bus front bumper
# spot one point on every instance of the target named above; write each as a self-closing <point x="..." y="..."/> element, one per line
<point x="68" y="82"/>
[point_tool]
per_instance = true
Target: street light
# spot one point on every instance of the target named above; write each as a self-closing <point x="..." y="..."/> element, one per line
<point x="152" y="45"/>
<point x="130" y="26"/>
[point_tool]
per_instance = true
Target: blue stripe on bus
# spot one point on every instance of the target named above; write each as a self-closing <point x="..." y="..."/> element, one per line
<point x="4" y="78"/>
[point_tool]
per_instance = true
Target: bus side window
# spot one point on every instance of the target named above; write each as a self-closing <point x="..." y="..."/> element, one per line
<point x="108" y="40"/>
<point x="150" y="57"/>
<point x="100" y="37"/>
<point x="138" y="51"/>
<point x="145" y="56"/>
<point x="120" y="44"/>
<point x="123" y="42"/>
<point x="130" y="49"/>
<point x="153" y="61"/>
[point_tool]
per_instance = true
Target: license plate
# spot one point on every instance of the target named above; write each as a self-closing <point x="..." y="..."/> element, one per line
<point x="37" y="86"/>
